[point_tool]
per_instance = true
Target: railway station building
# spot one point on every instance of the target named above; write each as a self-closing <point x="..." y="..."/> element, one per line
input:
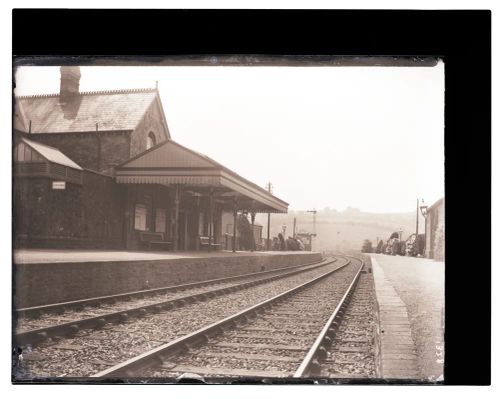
<point x="434" y="246"/>
<point x="100" y="170"/>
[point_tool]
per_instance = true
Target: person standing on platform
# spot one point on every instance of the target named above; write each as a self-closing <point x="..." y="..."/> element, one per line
<point x="282" y="242"/>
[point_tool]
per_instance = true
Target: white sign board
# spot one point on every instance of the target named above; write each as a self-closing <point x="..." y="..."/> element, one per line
<point x="58" y="185"/>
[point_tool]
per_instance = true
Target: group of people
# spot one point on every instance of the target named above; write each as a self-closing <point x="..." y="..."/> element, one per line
<point x="290" y="244"/>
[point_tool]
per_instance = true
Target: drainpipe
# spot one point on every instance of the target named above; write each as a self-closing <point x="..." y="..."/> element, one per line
<point x="98" y="147"/>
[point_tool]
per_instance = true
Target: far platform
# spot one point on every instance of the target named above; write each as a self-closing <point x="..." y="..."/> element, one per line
<point x="410" y="296"/>
<point x="52" y="276"/>
<point x="23" y="256"/>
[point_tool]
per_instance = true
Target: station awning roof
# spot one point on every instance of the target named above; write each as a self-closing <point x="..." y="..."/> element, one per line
<point x="171" y="163"/>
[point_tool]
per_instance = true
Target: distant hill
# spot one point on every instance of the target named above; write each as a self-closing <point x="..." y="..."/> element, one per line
<point x="346" y="230"/>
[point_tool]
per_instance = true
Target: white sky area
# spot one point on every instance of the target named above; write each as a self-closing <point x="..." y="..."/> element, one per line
<point x="366" y="137"/>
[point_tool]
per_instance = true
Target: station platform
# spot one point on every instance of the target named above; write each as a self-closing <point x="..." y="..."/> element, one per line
<point x="26" y="256"/>
<point x="410" y="297"/>
<point x="44" y="276"/>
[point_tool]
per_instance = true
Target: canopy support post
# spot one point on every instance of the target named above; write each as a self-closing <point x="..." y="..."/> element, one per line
<point x="210" y="219"/>
<point x="185" y="230"/>
<point x="235" y="215"/>
<point x="176" y="217"/>
<point x="252" y="217"/>
<point x="197" y="241"/>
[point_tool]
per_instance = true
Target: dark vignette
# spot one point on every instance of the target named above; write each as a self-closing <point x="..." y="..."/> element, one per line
<point x="461" y="38"/>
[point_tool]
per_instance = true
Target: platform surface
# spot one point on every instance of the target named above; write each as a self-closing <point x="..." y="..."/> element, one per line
<point x="410" y="293"/>
<point x="26" y="256"/>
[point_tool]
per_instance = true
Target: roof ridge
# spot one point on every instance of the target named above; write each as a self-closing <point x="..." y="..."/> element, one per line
<point x="94" y="92"/>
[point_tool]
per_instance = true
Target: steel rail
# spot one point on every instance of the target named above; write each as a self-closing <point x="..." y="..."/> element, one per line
<point x="38" y="335"/>
<point x="61" y="306"/>
<point x="311" y="366"/>
<point x="161" y="353"/>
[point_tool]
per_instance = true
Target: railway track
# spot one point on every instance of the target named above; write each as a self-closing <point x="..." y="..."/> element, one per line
<point x="350" y="354"/>
<point x="37" y="324"/>
<point x="287" y="335"/>
<point x="91" y="350"/>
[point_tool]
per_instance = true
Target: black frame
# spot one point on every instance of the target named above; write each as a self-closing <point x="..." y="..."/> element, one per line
<point x="461" y="38"/>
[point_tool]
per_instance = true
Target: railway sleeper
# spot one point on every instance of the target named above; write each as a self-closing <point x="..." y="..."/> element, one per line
<point x="196" y="341"/>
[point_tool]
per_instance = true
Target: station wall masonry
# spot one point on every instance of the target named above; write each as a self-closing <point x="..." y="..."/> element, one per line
<point x="45" y="283"/>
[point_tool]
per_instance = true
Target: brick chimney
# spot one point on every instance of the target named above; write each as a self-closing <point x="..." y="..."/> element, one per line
<point x="70" y="81"/>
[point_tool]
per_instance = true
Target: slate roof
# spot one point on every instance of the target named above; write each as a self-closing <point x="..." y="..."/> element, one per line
<point x="113" y="110"/>
<point x="51" y="154"/>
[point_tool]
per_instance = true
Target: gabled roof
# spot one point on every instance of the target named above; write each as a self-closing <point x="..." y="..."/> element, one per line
<point x="114" y="110"/>
<point x="51" y="154"/>
<point x="172" y="163"/>
<point x="170" y="154"/>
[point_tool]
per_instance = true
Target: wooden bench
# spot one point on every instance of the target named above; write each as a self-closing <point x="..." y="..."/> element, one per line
<point x="154" y="239"/>
<point x="204" y="242"/>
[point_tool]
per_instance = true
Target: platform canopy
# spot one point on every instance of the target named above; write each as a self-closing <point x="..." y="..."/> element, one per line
<point x="172" y="164"/>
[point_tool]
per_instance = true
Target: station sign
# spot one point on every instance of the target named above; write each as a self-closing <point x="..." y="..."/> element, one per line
<point x="58" y="185"/>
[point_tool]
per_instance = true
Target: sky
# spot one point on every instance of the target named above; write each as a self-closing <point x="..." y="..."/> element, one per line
<point x="366" y="137"/>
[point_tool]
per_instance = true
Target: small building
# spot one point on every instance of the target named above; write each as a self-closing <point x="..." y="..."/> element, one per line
<point x="434" y="245"/>
<point x="97" y="169"/>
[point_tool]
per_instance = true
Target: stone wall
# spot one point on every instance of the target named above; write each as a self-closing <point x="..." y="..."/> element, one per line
<point x="81" y="216"/>
<point x="79" y="147"/>
<point x="434" y="246"/>
<point x="115" y="149"/>
<point x="39" y="284"/>
<point x="152" y="121"/>
<point x="100" y="152"/>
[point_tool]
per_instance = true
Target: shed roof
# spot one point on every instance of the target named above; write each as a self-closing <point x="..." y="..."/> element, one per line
<point x="51" y="154"/>
<point x="113" y="110"/>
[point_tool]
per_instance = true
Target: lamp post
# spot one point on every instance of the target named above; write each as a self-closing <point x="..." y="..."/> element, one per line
<point x="283" y="228"/>
<point x="423" y="210"/>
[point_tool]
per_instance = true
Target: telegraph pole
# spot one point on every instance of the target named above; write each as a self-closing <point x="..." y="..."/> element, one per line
<point x="423" y="209"/>
<point x="313" y="211"/>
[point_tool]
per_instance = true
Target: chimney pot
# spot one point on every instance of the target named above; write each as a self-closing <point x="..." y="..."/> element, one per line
<point x="70" y="81"/>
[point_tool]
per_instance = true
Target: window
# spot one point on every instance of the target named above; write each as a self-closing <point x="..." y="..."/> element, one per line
<point x="140" y="217"/>
<point x="24" y="153"/>
<point x="150" y="141"/>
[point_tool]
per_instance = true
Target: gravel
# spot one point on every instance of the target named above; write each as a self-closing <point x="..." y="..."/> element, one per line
<point x="294" y="323"/>
<point x="50" y="319"/>
<point x="91" y="351"/>
<point x="356" y="331"/>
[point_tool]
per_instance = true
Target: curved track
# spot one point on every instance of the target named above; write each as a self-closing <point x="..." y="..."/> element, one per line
<point x="90" y="350"/>
<point x="285" y="336"/>
<point x="36" y="324"/>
